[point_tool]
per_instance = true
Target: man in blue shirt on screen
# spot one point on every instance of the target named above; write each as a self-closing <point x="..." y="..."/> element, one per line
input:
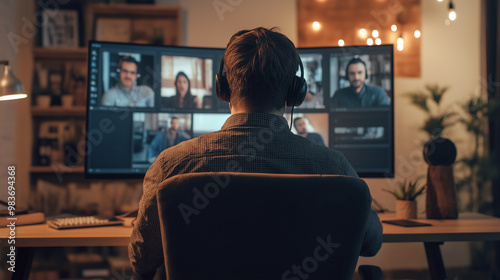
<point x="165" y="139"/>
<point x="359" y="94"/>
<point x="258" y="83"/>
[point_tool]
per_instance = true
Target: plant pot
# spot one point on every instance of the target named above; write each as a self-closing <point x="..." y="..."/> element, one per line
<point x="406" y="209"/>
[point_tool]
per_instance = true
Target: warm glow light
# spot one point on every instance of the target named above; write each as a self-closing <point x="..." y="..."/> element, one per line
<point x="369" y="42"/>
<point x="362" y="32"/>
<point x="452" y="15"/>
<point x="341" y="42"/>
<point x="316" y="25"/>
<point x="375" y="33"/>
<point x="440" y="0"/>
<point x="13" y="96"/>
<point x="400" y="47"/>
<point x="394" y="27"/>
<point x="378" y="41"/>
<point x="400" y="41"/>
<point x="417" y="34"/>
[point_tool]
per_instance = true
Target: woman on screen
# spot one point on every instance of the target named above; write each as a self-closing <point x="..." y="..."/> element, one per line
<point x="183" y="97"/>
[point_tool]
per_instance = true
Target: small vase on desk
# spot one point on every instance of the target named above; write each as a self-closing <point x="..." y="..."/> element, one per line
<point x="406" y="209"/>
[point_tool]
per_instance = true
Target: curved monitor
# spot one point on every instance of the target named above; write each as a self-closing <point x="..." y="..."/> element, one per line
<point x="125" y="132"/>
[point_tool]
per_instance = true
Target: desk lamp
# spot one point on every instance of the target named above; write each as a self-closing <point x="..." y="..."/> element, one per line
<point x="10" y="87"/>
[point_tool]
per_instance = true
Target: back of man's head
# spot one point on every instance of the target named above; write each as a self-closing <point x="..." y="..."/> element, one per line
<point x="260" y="66"/>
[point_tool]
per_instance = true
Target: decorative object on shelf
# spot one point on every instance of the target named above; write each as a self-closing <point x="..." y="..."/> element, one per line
<point x="10" y="87"/>
<point x="43" y="99"/>
<point x="67" y="100"/>
<point x="405" y="194"/>
<point x="441" y="200"/>
<point x="60" y="28"/>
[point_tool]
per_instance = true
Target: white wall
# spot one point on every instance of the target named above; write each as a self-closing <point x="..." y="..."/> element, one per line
<point x="205" y="25"/>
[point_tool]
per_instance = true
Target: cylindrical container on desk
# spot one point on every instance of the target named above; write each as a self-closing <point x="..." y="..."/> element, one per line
<point x="441" y="198"/>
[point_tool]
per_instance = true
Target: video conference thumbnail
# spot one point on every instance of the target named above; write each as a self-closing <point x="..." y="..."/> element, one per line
<point x="127" y="80"/>
<point x="186" y="82"/>
<point x="363" y="80"/>
<point x="154" y="132"/>
<point x="312" y="126"/>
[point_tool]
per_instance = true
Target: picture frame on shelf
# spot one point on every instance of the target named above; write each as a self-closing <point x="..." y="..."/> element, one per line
<point x="60" y="28"/>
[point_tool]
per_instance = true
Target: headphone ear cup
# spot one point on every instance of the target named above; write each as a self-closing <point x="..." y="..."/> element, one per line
<point x="297" y="92"/>
<point x="222" y="87"/>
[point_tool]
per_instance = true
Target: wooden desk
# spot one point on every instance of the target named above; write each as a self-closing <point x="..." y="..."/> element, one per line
<point x="469" y="227"/>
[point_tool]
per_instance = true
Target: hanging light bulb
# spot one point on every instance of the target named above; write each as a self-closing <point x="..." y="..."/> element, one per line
<point x="341" y="42"/>
<point x="369" y="41"/>
<point x="452" y="15"/>
<point x="378" y="41"/>
<point x="375" y="33"/>
<point x="316" y="26"/>
<point x="417" y="34"/>
<point x="400" y="40"/>
<point x="394" y="27"/>
<point x="362" y="32"/>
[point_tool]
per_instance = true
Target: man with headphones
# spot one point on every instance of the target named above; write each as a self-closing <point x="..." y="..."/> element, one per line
<point x="126" y="93"/>
<point x="258" y="83"/>
<point x="359" y="94"/>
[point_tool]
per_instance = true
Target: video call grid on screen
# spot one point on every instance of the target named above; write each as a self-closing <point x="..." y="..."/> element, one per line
<point x="128" y="134"/>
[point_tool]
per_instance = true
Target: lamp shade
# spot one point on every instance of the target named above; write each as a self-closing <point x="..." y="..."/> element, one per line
<point x="10" y="87"/>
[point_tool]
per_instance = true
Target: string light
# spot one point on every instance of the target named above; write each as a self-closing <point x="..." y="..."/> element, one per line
<point x="400" y="42"/>
<point x="369" y="42"/>
<point x="341" y="42"/>
<point x="394" y="27"/>
<point x="417" y="34"/>
<point x="452" y="15"/>
<point x="375" y="33"/>
<point x="362" y="32"/>
<point x="378" y="41"/>
<point x="316" y="26"/>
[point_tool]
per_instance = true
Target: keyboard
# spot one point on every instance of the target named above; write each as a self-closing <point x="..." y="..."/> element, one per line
<point x="82" y="222"/>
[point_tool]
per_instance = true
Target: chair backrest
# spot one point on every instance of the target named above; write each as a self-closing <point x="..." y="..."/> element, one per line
<point x="262" y="226"/>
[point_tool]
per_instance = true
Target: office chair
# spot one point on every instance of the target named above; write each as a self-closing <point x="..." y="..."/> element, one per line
<point x="240" y="226"/>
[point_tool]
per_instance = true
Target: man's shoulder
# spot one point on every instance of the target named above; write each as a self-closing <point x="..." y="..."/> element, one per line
<point x="375" y="89"/>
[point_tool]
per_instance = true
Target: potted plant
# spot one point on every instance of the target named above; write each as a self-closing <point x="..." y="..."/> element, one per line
<point x="405" y="194"/>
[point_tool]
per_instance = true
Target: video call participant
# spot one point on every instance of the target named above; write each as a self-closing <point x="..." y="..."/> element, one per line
<point x="300" y="126"/>
<point x="259" y="81"/>
<point x="183" y="97"/>
<point x="165" y="139"/>
<point x="359" y="94"/>
<point x="126" y="93"/>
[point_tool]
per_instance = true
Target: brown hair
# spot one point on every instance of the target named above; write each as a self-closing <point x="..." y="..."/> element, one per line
<point x="260" y="66"/>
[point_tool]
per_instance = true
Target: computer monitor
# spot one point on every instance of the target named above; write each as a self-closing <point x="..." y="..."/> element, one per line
<point x="175" y="86"/>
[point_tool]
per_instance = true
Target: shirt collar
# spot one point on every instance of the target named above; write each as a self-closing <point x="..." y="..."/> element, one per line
<point x="274" y="122"/>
